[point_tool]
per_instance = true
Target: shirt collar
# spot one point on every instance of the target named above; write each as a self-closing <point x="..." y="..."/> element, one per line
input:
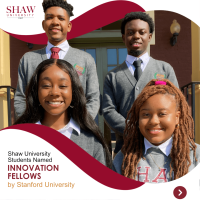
<point x="63" y="46"/>
<point x="164" y="147"/>
<point x="144" y="58"/>
<point x="72" y="124"/>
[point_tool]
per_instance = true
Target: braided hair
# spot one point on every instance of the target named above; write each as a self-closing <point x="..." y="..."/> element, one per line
<point x="183" y="136"/>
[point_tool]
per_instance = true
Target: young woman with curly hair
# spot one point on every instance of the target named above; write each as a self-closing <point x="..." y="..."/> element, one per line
<point x="159" y="136"/>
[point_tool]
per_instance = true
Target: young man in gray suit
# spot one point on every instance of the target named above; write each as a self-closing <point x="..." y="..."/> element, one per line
<point x="123" y="84"/>
<point x="56" y="25"/>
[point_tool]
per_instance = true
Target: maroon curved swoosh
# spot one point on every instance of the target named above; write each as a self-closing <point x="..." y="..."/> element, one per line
<point x="93" y="19"/>
<point x="94" y="168"/>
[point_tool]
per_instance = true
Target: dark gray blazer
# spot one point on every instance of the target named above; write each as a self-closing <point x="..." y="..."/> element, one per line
<point x="88" y="142"/>
<point x="89" y="79"/>
<point x="121" y="89"/>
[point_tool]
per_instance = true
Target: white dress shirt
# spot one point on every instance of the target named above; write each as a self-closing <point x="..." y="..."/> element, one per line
<point x="164" y="147"/>
<point x="64" y="47"/>
<point x="68" y="128"/>
<point x="130" y="59"/>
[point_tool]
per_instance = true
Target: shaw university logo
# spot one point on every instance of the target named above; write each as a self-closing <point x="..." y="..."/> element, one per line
<point x="20" y="12"/>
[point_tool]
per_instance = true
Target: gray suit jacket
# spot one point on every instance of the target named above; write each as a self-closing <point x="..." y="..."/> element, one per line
<point x="88" y="77"/>
<point x="121" y="89"/>
<point x="87" y="141"/>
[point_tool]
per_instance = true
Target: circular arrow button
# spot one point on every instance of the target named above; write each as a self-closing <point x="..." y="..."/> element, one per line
<point x="180" y="192"/>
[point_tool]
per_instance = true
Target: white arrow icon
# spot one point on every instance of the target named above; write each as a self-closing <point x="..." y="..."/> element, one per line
<point x="180" y="192"/>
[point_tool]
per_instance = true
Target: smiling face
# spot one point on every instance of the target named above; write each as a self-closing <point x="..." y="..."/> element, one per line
<point x="136" y="37"/>
<point x="158" y="118"/>
<point x="56" y="25"/>
<point x="54" y="91"/>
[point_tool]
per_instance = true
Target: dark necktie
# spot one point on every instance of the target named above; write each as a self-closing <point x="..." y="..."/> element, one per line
<point x="54" y="52"/>
<point x="138" y="70"/>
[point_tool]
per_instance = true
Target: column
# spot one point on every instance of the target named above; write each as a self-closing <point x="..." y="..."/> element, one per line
<point x="4" y="76"/>
<point x="196" y="75"/>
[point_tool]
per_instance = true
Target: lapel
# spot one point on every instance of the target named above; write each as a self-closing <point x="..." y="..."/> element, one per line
<point x="128" y="74"/>
<point x="68" y="56"/>
<point x="147" y="70"/>
<point x="43" y="54"/>
<point x="75" y="136"/>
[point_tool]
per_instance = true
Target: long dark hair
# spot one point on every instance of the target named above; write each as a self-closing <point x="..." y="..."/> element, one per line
<point x="34" y="112"/>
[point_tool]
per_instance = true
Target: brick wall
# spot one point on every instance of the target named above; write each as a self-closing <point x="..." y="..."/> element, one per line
<point x="179" y="56"/>
<point x="17" y="49"/>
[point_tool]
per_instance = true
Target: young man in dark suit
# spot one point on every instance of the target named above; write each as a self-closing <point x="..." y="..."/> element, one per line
<point x="123" y="84"/>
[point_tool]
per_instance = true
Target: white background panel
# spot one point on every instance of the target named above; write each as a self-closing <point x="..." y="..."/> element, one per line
<point x="30" y="26"/>
<point x="85" y="187"/>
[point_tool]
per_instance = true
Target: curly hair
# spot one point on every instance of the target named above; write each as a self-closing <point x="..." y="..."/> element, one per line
<point x="137" y="15"/>
<point x="59" y="3"/>
<point x="183" y="137"/>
